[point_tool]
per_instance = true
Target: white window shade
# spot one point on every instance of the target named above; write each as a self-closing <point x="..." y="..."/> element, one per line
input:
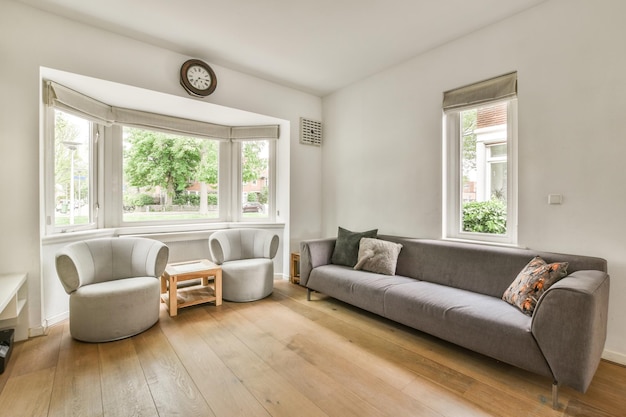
<point x="67" y="99"/>
<point x="243" y="133"/>
<point x="498" y="88"/>
<point x="169" y="124"/>
<point x="64" y="98"/>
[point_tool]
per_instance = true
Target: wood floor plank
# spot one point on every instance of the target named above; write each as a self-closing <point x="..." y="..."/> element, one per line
<point x="272" y="390"/>
<point x="39" y="353"/>
<point x="292" y="326"/>
<point x="172" y="389"/>
<point x="576" y="408"/>
<point x="363" y="372"/>
<point x="76" y="390"/>
<point x="505" y="403"/>
<point x="328" y="393"/>
<point x="524" y="385"/>
<point x="360" y="379"/>
<point x="283" y="356"/>
<point x="409" y="359"/>
<point x="442" y="400"/>
<point x="27" y="394"/>
<point x="223" y="391"/>
<point x="8" y="367"/>
<point x="125" y="391"/>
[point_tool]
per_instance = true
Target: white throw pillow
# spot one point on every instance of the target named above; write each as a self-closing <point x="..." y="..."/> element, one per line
<point x="379" y="256"/>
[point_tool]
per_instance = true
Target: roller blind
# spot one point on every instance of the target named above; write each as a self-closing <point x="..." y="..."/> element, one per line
<point x="169" y="124"/>
<point x="65" y="98"/>
<point x="244" y="133"/>
<point x="497" y="88"/>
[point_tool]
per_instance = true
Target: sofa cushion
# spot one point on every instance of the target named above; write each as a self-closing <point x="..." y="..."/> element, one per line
<point x="359" y="288"/>
<point x="379" y="256"/>
<point x="479" y="322"/>
<point x="347" y="246"/>
<point x="536" y="277"/>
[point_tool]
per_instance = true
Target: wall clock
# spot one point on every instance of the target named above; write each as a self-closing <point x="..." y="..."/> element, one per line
<point x="197" y="78"/>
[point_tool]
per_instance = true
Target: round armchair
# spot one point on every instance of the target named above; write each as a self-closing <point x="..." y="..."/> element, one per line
<point x="246" y="259"/>
<point x="113" y="286"/>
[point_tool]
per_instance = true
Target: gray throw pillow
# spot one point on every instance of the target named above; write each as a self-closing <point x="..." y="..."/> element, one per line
<point x="347" y="246"/>
<point x="379" y="256"/>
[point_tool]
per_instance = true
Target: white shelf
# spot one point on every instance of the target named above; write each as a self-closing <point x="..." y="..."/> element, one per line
<point x="13" y="299"/>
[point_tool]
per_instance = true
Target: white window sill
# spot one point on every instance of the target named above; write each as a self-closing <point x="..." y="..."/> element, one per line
<point x="179" y="232"/>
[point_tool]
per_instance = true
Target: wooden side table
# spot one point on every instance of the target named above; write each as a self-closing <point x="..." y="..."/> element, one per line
<point x="294" y="274"/>
<point x="175" y="298"/>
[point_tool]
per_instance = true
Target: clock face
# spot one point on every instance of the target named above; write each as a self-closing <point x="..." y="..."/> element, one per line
<point x="197" y="78"/>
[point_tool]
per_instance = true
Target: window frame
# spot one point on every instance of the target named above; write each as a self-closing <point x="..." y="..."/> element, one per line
<point x="49" y="176"/>
<point x="117" y="141"/>
<point x="453" y="188"/>
<point x="238" y="202"/>
<point x="106" y="197"/>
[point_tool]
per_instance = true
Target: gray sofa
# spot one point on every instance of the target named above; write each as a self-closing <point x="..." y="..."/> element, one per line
<point x="453" y="291"/>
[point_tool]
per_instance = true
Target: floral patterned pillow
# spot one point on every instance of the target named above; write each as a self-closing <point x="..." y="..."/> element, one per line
<point x="532" y="281"/>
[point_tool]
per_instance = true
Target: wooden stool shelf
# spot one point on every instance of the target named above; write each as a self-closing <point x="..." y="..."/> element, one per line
<point x="206" y="292"/>
<point x="294" y="275"/>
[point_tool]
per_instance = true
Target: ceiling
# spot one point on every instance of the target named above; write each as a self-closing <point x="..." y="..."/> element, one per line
<point x="316" y="46"/>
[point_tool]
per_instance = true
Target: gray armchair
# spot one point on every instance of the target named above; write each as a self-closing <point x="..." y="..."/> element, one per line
<point x="246" y="259"/>
<point x="113" y="285"/>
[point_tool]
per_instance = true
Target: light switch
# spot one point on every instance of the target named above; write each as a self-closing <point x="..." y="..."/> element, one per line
<point x="555" y="199"/>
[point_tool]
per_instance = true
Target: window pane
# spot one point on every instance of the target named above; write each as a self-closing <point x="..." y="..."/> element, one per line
<point x="497" y="150"/>
<point x="169" y="177"/>
<point x="72" y="150"/>
<point x="254" y="177"/>
<point x="484" y="169"/>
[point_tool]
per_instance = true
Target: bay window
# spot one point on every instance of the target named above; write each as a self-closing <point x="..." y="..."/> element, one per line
<point x="109" y="166"/>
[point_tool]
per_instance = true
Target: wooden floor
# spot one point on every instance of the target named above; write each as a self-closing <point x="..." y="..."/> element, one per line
<point x="282" y="356"/>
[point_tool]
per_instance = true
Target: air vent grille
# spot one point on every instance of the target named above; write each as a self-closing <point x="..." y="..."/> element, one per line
<point x="310" y="132"/>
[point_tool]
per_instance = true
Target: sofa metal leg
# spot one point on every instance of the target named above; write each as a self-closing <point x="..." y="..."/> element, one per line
<point x="555" y="395"/>
<point x="308" y="294"/>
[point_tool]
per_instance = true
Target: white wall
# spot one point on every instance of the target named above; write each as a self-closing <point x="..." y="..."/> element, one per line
<point x="383" y="137"/>
<point x="30" y="39"/>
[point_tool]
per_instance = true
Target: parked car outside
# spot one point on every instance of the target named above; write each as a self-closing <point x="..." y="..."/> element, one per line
<point x="252" y="207"/>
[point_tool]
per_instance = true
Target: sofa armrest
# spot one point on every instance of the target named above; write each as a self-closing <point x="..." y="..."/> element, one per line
<point x="314" y="253"/>
<point x="570" y="326"/>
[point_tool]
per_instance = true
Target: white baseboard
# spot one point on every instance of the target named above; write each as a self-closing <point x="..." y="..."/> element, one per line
<point x="45" y="326"/>
<point x="58" y="318"/>
<point x="614" y="357"/>
<point x="37" y="331"/>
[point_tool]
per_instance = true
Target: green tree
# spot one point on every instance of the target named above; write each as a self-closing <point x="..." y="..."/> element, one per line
<point x="207" y="173"/>
<point x="159" y="159"/>
<point x="469" y="141"/>
<point x="71" y="147"/>
<point x="63" y="132"/>
<point x="253" y="164"/>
